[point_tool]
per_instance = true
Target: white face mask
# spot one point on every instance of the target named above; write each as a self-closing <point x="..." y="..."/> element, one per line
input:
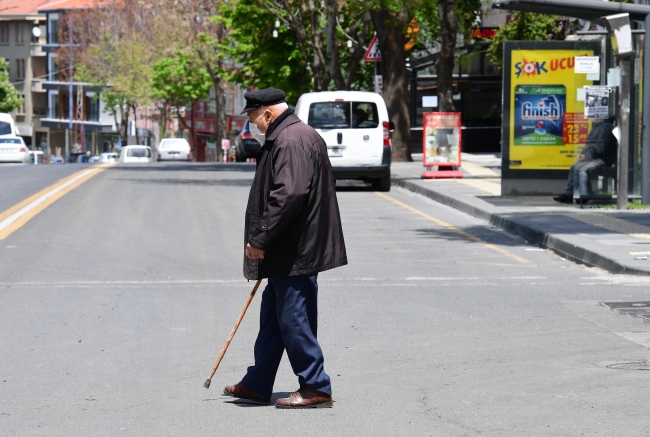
<point x="259" y="136"/>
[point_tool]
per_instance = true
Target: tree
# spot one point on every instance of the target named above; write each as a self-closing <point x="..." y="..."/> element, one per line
<point x="525" y="26"/>
<point x="257" y="59"/>
<point x="310" y="50"/>
<point x="391" y="25"/>
<point x="179" y="81"/>
<point x="440" y="21"/>
<point x="9" y="99"/>
<point x="114" y="46"/>
<point x="205" y="37"/>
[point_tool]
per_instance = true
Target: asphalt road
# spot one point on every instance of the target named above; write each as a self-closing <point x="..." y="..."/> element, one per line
<point x="116" y="300"/>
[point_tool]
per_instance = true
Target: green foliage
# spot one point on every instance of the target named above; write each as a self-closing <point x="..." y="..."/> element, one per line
<point x="122" y="68"/>
<point x="263" y="61"/>
<point x="180" y="79"/>
<point x="425" y="12"/>
<point x="527" y="26"/>
<point x="9" y="99"/>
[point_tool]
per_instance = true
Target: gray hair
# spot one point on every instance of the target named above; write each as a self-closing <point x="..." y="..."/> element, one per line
<point x="280" y="106"/>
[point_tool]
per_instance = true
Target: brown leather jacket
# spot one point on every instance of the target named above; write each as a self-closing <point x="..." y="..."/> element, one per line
<point x="292" y="211"/>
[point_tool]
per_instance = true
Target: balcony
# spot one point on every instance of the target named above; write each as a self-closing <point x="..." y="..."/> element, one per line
<point x="37" y="86"/>
<point x="38" y="111"/>
<point x="36" y="49"/>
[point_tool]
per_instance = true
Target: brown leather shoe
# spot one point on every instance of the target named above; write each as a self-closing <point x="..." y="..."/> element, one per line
<point x="239" y="391"/>
<point x="305" y="397"/>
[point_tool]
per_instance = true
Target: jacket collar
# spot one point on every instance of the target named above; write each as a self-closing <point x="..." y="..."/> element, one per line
<point x="287" y="120"/>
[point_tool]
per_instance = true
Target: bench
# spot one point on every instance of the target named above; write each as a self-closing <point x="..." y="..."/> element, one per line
<point x="603" y="183"/>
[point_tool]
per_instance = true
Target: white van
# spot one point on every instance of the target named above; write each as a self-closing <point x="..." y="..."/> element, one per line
<point x="355" y="127"/>
<point x="135" y="154"/>
<point x="7" y="126"/>
<point x="174" y="149"/>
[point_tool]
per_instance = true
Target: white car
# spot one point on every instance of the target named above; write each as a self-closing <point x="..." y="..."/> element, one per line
<point x="7" y="126"/>
<point x="13" y="149"/>
<point x="355" y="127"/>
<point x="136" y="154"/>
<point x="174" y="149"/>
<point x="108" y="157"/>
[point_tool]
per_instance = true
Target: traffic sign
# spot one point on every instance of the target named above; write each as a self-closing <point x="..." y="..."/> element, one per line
<point x="373" y="54"/>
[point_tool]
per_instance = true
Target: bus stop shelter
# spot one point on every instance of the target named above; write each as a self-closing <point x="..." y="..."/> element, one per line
<point x="594" y="11"/>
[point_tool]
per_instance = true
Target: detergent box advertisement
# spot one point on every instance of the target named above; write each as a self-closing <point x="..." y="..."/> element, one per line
<point x="538" y="115"/>
<point x="545" y="123"/>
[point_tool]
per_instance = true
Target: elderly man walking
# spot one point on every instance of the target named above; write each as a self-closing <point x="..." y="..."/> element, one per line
<point x="293" y="231"/>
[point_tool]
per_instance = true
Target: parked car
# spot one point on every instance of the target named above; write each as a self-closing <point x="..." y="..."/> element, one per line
<point x="7" y="125"/>
<point x="93" y="158"/>
<point x="136" y="154"/>
<point x="13" y="149"/>
<point x="56" y="160"/>
<point x="356" y="129"/>
<point x="108" y="157"/>
<point x="245" y="144"/>
<point x="174" y="149"/>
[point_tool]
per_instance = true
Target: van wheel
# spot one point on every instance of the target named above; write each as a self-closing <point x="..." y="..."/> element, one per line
<point x="382" y="184"/>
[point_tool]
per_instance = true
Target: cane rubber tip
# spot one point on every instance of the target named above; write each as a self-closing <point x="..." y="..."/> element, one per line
<point x="206" y="384"/>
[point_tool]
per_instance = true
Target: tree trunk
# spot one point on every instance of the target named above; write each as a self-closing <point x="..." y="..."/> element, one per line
<point x="390" y="34"/>
<point x="135" y="122"/>
<point x="357" y="53"/>
<point x="195" y="157"/>
<point x="162" y="122"/>
<point x="332" y="46"/>
<point x="124" y="126"/>
<point x="221" y="128"/>
<point x="445" y="61"/>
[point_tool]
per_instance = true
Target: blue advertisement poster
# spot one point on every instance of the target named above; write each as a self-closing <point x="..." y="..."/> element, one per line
<point x="538" y="115"/>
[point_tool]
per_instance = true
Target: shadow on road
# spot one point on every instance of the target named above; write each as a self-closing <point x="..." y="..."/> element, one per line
<point x="488" y="236"/>
<point x="247" y="403"/>
<point x="192" y="182"/>
<point x="188" y="166"/>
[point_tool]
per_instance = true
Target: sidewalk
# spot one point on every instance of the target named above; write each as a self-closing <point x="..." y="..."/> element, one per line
<point x="613" y="240"/>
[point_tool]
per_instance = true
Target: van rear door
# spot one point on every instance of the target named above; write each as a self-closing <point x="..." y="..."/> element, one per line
<point x="351" y="130"/>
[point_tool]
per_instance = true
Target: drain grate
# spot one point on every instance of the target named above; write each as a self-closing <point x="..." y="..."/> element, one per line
<point x="641" y="365"/>
<point x="636" y="309"/>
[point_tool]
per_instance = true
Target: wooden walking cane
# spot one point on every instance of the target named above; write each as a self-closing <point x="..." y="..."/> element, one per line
<point x="232" y="333"/>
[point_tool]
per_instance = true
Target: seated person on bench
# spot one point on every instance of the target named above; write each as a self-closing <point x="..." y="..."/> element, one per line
<point x="600" y="149"/>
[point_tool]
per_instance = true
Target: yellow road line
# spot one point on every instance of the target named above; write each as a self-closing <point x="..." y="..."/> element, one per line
<point x="456" y="230"/>
<point x="16" y="216"/>
<point x="30" y="199"/>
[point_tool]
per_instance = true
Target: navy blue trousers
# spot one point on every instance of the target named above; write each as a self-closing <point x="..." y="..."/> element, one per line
<point x="288" y="320"/>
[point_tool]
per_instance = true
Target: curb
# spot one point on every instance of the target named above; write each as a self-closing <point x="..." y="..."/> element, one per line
<point x="535" y="236"/>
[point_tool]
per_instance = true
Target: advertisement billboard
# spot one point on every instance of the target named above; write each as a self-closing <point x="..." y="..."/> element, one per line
<point x="442" y="137"/>
<point x="544" y="124"/>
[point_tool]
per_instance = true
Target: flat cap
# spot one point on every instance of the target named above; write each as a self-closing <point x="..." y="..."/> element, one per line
<point x="265" y="97"/>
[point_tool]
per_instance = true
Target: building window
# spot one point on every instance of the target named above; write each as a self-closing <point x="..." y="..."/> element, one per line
<point x="4" y="33"/>
<point x="92" y="108"/>
<point x="21" y="109"/>
<point x="20" y="33"/>
<point x="54" y="29"/>
<point x="55" y="107"/>
<point x="20" y="68"/>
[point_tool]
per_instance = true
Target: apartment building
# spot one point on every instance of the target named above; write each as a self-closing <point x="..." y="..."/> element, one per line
<point x="76" y="116"/>
<point x="22" y="36"/>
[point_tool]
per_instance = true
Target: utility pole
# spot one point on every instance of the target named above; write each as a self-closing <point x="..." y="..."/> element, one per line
<point x="69" y="130"/>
